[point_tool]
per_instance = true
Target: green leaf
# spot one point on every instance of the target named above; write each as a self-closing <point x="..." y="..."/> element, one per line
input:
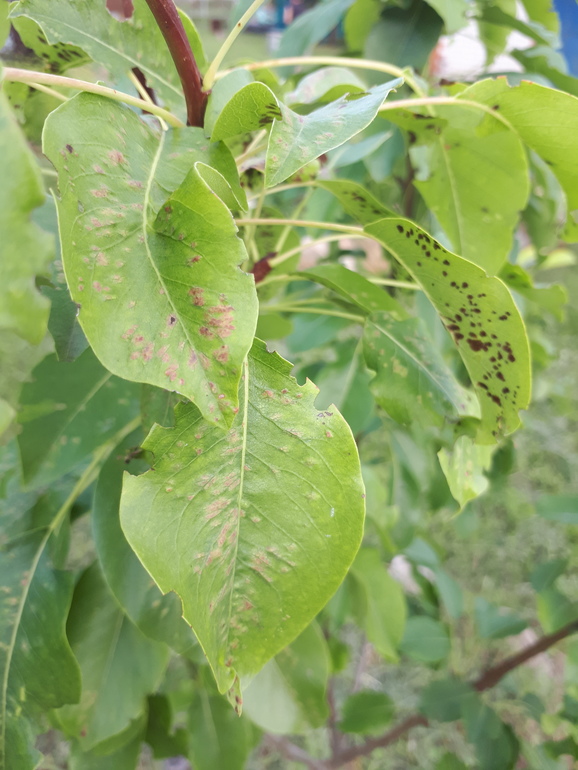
<point x="4" y="24"/>
<point x="555" y="609"/>
<point x="26" y="250"/>
<point x="550" y="298"/>
<point x="289" y="694"/>
<point x="252" y="107"/>
<point x="162" y="300"/>
<point x="160" y="735"/>
<point x="125" y="758"/>
<point x="495" y="36"/>
<point x="358" y="22"/>
<point x="55" y="58"/>
<point x="367" y="711"/>
<point x="222" y="92"/>
<point x="218" y="737"/>
<point x="545" y="575"/>
<point x="463" y="466"/>
<point x="551" y="64"/>
<point x="157" y="616"/>
<point x="114" y="657"/>
<point x="560" y="508"/>
<point x="481" y="315"/>
<point x="443" y="700"/>
<point x="450" y="762"/>
<point x="296" y="139"/>
<point x="311" y="27"/>
<point x="404" y="36"/>
<point x="565" y="747"/>
<point x="67" y="412"/>
<point x="476" y="182"/>
<point x="453" y="12"/>
<point x="495" y="744"/>
<point x="493" y="14"/>
<point x="137" y="42"/>
<point x="69" y="339"/>
<point x="357" y="201"/>
<point x="412" y="380"/>
<point x="425" y="640"/>
<point x="450" y="593"/>
<point x="383" y="616"/>
<point x="248" y="516"/>
<point x="494" y="624"/>
<point x="37" y="667"/>
<point x="325" y="85"/>
<point x="354" y="288"/>
<point x="545" y="120"/>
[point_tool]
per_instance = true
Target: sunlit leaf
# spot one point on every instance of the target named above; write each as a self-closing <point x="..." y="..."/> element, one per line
<point x="479" y="312"/>
<point x="545" y="120"/>
<point x="161" y="297"/>
<point x="234" y="523"/>
<point x="296" y="139"/>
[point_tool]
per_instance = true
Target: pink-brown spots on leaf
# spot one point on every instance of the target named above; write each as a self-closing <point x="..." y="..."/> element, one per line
<point x="135" y="184"/>
<point x="206" y="332"/>
<point x="116" y="157"/>
<point x="98" y="169"/>
<point x="97" y="286"/>
<point x="171" y="320"/>
<point x="129" y="332"/>
<point x="192" y="362"/>
<point x="215" y="507"/>
<point x="101" y="259"/>
<point x="148" y="351"/>
<point x="171" y="372"/>
<point x="222" y="354"/>
<point x="198" y="295"/>
<point x="101" y="192"/>
<point x="163" y="354"/>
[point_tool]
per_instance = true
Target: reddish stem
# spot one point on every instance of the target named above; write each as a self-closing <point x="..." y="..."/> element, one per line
<point x="167" y="17"/>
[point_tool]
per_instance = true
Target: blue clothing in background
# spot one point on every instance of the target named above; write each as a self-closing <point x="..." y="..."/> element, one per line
<point x="567" y="10"/>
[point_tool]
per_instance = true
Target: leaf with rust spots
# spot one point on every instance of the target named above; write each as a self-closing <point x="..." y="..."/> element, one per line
<point x="412" y="381"/>
<point x="161" y="297"/>
<point x="479" y="312"/>
<point x="297" y="139"/>
<point x="356" y="200"/>
<point x="137" y="42"/>
<point x="237" y="523"/>
<point x="545" y="119"/>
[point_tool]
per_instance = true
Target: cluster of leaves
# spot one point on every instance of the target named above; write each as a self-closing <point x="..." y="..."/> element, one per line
<point x="176" y="509"/>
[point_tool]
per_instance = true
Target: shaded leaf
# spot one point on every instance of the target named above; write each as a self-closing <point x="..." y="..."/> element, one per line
<point x="221" y="93"/>
<point x="494" y="624"/>
<point x="453" y="12"/>
<point x="412" y="381"/>
<point x="356" y="200"/>
<point x="383" y="615"/>
<point x="289" y="694"/>
<point x="425" y="640"/>
<point x="463" y="466"/>
<point x="555" y="609"/>
<point x="160" y="735"/>
<point x="157" y="616"/>
<point x="296" y="139"/>
<point x="37" y="667"/>
<point x="311" y="27"/>
<point x="355" y="288"/>
<point x="67" y="412"/>
<point x="479" y="312"/>
<point x="366" y="711"/>
<point x="250" y="108"/>
<point x="404" y="36"/>
<point x="495" y="744"/>
<point x="114" y="656"/>
<point x="125" y="758"/>
<point x="561" y="508"/>
<point x="248" y="516"/>
<point x="550" y="298"/>
<point x="450" y="593"/>
<point x="56" y="58"/>
<point x="545" y="120"/>
<point x="545" y="575"/>
<point x="26" y="250"/>
<point x="218" y="737"/>
<point x="162" y="300"/>
<point x="443" y="700"/>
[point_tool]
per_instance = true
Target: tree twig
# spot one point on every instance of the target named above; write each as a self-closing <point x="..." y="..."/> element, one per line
<point x="485" y="681"/>
<point x="170" y="24"/>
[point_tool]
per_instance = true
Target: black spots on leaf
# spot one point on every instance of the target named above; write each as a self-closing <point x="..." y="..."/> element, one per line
<point x="400" y="229"/>
<point x="412" y="137"/>
<point x="496" y="107"/>
<point x="484" y="210"/>
<point x="465" y="285"/>
<point x="444" y="273"/>
<point x="70" y="148"/>
<point x="446" y="262"/>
